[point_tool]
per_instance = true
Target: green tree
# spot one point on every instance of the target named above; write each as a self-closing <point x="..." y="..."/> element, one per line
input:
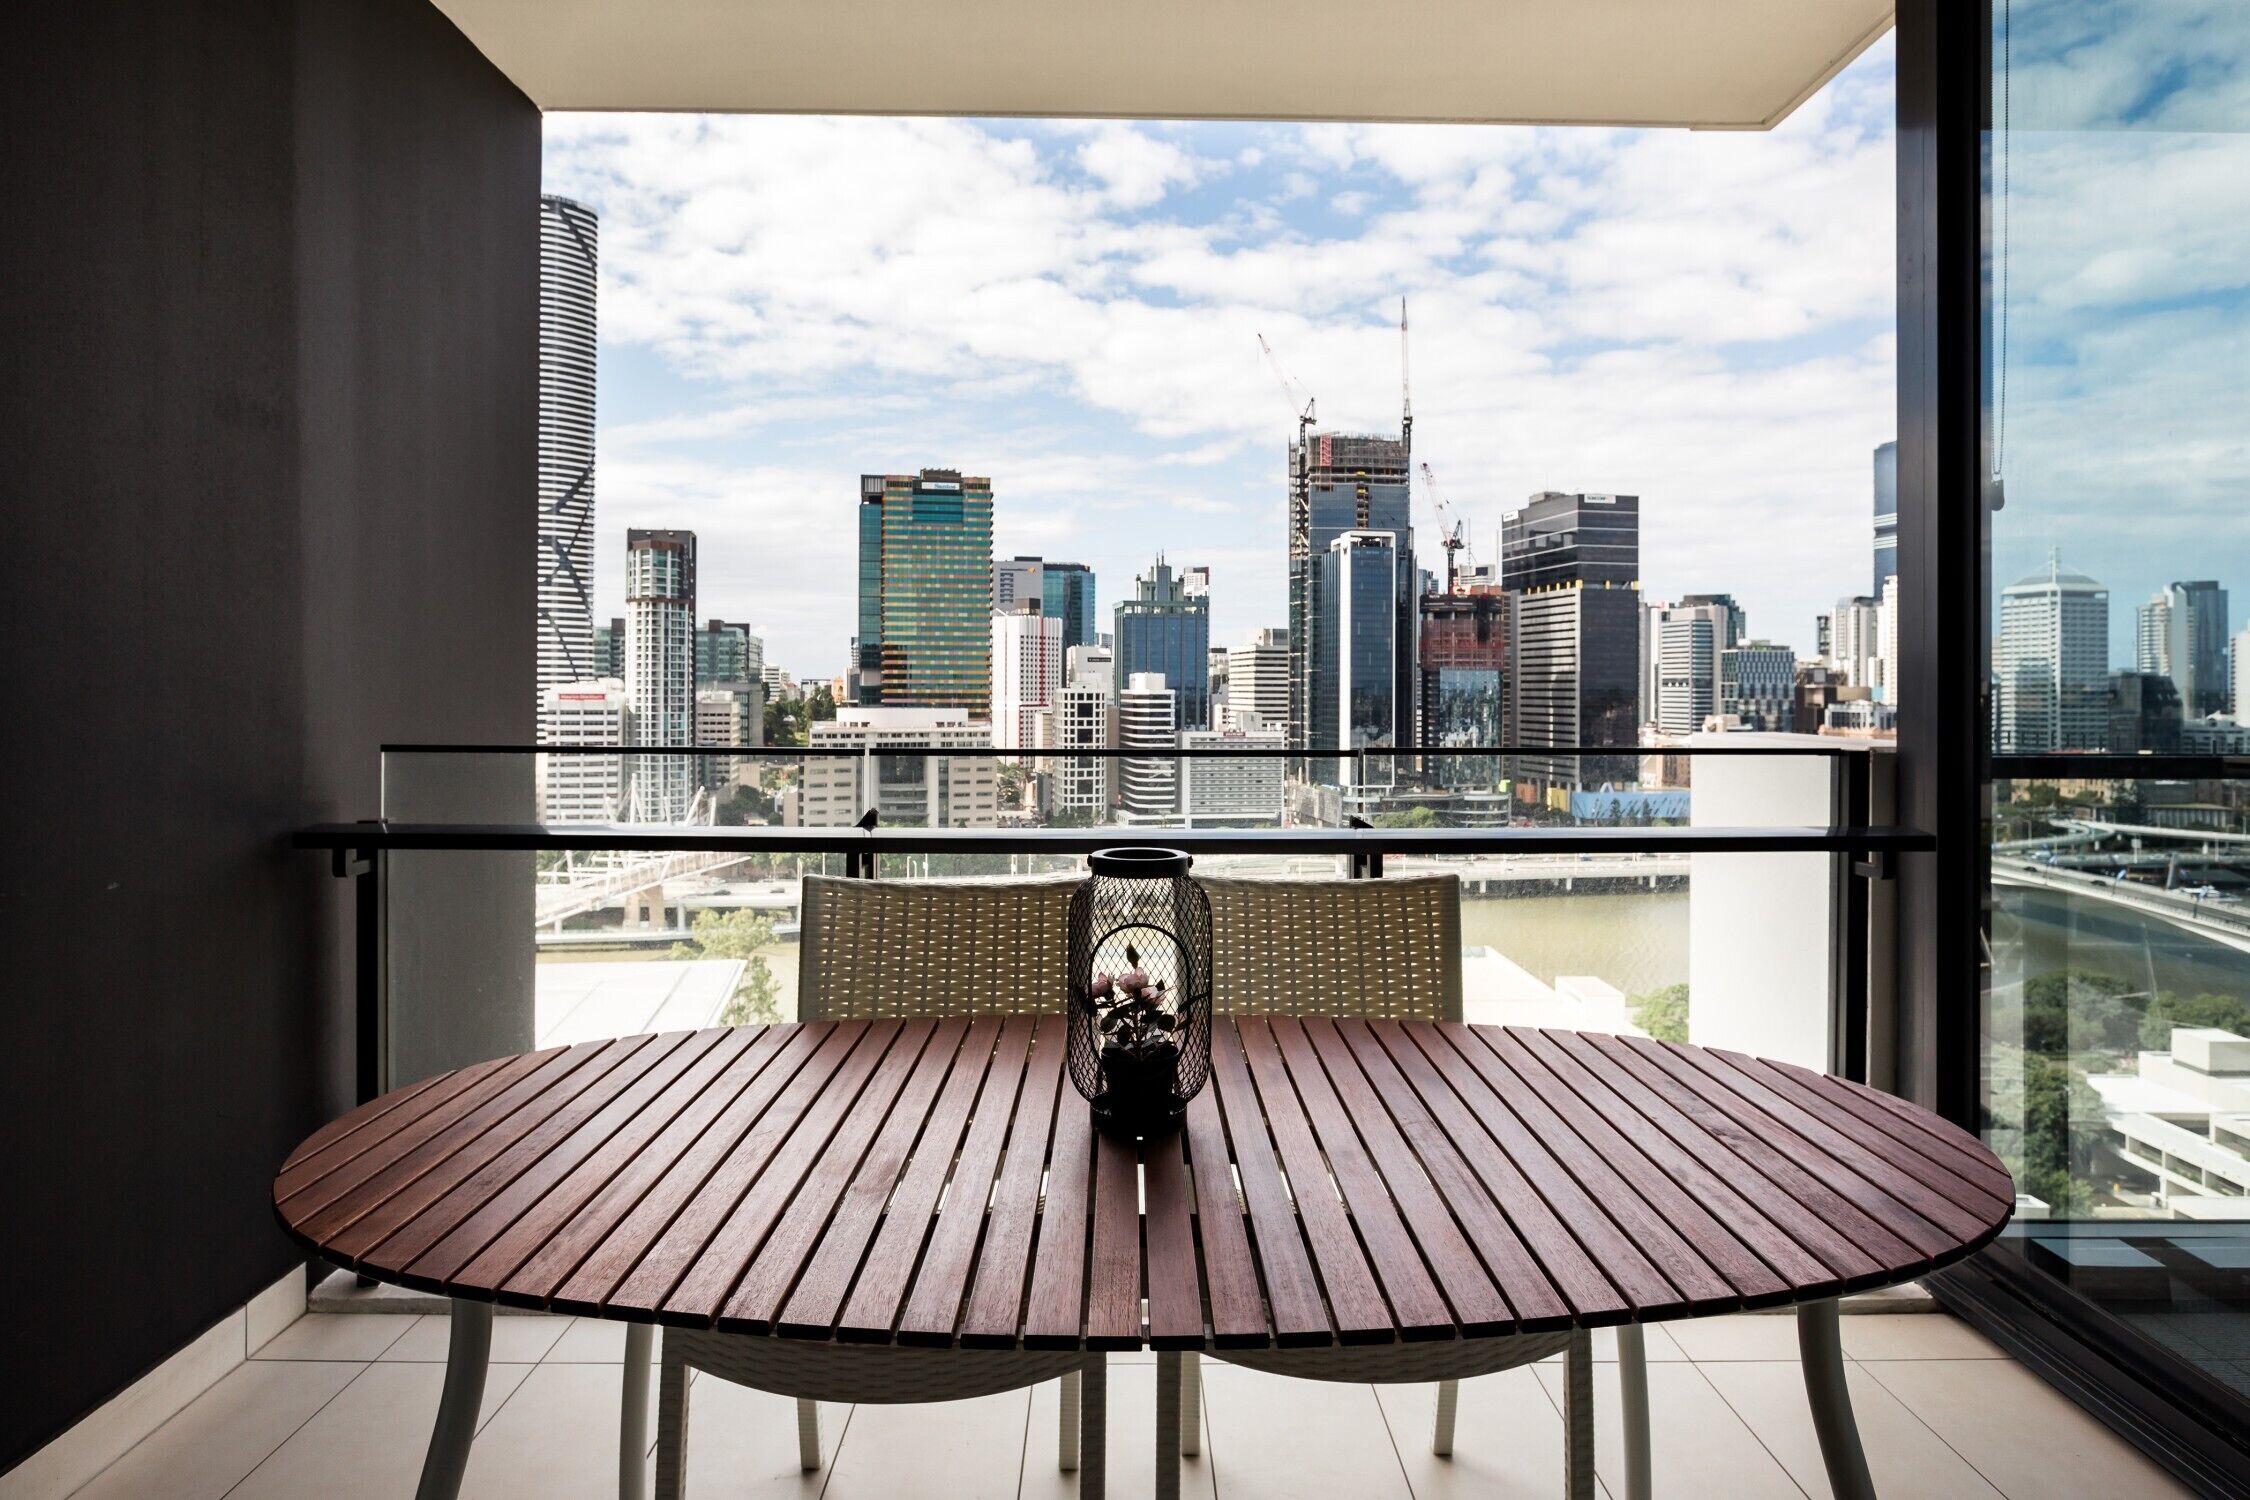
<point x="742" y="934"/>
<point x="1661" y="1013"/>
<point x="1412" y="817"/>
<point x="2074" y="1011"/>
<point x="2062" y="1128"/>
<point x="2226" y="1012"/>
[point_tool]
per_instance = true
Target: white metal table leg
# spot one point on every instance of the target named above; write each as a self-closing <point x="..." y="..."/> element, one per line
<point x="467" y="1353"/>
<point x="1820" y="1345"/>
<point x="1167" y="1425"/>
<point x="1632" y="1404"/>
<point x="632" y="1418"/>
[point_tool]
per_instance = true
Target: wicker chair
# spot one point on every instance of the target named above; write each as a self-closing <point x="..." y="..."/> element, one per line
<point x="883" y="948"/>
<point x="1389" y="948"/>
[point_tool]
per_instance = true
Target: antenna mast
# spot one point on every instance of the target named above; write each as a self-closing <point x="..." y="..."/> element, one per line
<point x="1405" y="383"/>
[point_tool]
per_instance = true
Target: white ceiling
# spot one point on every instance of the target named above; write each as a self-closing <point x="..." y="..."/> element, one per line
<point x="1712" y="64"/>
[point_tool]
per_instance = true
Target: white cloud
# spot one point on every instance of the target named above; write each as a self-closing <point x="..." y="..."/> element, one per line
<point x="1701" y="318"/>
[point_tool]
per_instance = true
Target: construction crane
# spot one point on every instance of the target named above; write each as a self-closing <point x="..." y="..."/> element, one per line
<point x="1300" y="399"/>
<point x="1453" y="533"/>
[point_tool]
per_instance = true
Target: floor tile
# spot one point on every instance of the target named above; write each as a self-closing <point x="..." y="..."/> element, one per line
<point x="1699" y="1449"/>
<point x="1904" y="1456"/>
<point x="556" y="1437"/>
<point x="1131" y="1469"/>
<point x="517" y="1339"/>
<point x="1267" y="1435"/>
<point x="222" y="1435"/>
<point x="592" y="1341"/>
<point x="367" y="1444"/>
<point x="1508" y="1438"/>
<point x="1741" y="1336"/>
<point x="346" y="1336"/>
<point x="1657" y="1343"/>
<point x="2027" y="1441"/>
<point x="962" y="1450"/>
<point x="1914" y="1336"/>
<point x="742" y="1444"/>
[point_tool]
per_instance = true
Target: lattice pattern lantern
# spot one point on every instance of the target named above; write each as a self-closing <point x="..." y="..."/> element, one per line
<point x="1140" y="988"/>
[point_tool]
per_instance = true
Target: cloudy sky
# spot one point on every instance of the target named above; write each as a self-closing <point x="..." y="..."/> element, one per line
<point x="1073" y="308"/>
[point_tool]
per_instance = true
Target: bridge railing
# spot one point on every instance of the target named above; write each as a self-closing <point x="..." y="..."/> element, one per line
<point x="1757" y="889"/>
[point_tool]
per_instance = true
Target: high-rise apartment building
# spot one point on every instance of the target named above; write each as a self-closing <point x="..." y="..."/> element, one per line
<point x="585" y="788"/>
<point x="1165" y="631"/>
<point x="1027" y="673"/>
<point x="1258" y="682"/>
<point x="1758" y="685"/>
<point x="726" y="651"/>
<point x="660" y="667"/>
<point x="1148" y="719"/>
<point x="1079" y="788"/>
<point x="1852" y="641"/>
<point x="925" y="591"/>
<point x="1464" y="690"/>
<point x="1571" y="564"/>
<point x="730" y="713"/>
<point x="1341" y="482"/>
<point x="1886" y="517"/>
<point x="569" y="237"/>
<point x="2182" y="633"/>
<point x="2052" y="663"/>
<point x="1690" y="638"/>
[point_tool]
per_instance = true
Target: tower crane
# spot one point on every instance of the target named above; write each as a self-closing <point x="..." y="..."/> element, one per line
<point x="1300" y="399"/>
<point x="1453" y="533"/>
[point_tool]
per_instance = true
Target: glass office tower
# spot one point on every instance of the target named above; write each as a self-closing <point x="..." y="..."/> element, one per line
<point x="925" y="591"/>
<point x="1166" y="630"/>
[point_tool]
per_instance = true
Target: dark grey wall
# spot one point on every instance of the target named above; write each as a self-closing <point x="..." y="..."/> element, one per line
<point x="268" y="383"/>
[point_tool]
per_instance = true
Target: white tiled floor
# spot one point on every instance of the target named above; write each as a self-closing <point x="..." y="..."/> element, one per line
<point x="339" y="1405"/>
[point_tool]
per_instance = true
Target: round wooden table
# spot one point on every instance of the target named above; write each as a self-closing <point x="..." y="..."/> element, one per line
<point x="936" y="1182"/>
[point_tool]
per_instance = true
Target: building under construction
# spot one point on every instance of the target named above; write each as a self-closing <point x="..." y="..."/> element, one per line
<point x="1341" y="483"/>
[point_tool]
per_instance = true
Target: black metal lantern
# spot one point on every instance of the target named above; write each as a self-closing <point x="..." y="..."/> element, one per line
<point x="1140" y="988"/>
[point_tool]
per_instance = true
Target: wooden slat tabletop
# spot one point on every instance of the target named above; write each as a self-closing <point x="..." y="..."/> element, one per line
<point x="937" y="1182"/>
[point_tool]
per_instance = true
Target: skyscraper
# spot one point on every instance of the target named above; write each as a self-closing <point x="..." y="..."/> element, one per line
<point x="925" y="591"/>
<point x="609" y="648"/>
<point x="1758" y="685"/>
<point x="1572" y="564"/>
<point x="1886" y="517"/>
<point x="726" y="651"/>
<point x="585" y="788"/>
<point x="2052" y="662"/>
<point x="1165" y="630"/>
<point x="568" y="238"/>
<point x="1027" y="668"/>
<point x="1464" y="654"/>
<point x="1853" y="642"/>
<point x="1258" y="681"/>
<point x="1356" y="703"/>
<point x="1342" y="482"/>
<point x="2182" y="634"/>
<point x="1065" y="591"/>
<point x="660" y="668"/>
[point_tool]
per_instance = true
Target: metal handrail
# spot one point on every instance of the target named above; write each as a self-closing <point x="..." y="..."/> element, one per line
<point x="383" y="834"/>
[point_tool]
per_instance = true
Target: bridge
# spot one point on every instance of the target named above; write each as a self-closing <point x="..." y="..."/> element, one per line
<point x="2221" y="921"/>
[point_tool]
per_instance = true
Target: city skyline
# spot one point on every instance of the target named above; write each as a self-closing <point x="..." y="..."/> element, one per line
<point x="1074" y="309"/>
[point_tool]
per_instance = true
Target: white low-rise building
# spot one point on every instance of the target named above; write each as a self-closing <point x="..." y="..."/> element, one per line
<point x="2183" y="1116"/>
<point x="1233" y="790"/>
<point x="906" y="790"/>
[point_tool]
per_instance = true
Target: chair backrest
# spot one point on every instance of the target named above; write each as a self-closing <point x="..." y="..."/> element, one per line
<point x="877" y="948"/>
<point x="1388" y="947"/>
